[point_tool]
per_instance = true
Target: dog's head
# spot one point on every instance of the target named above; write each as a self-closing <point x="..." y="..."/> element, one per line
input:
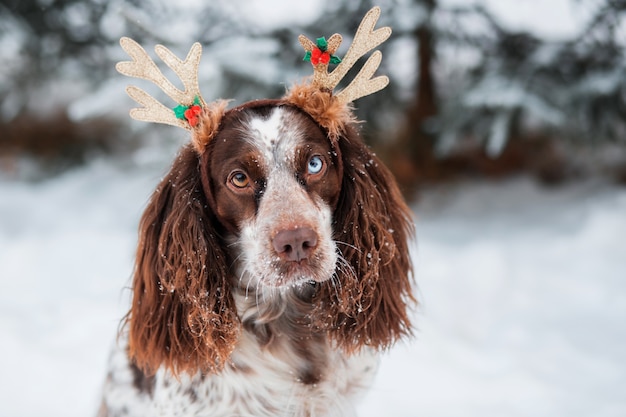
<point x="272" y="205"/>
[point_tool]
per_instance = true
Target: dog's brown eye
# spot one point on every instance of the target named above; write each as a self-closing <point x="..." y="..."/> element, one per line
<point x="239" y="179"/>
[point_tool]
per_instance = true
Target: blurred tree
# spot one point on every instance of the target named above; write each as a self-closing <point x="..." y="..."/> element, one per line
<point x="521" y="86"/>
<point x="46" y="37"/>
<point x="412" y="155"/>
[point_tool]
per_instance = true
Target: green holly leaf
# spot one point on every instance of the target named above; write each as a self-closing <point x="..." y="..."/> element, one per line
<point x="335" y="60"/>
<point x="322" y="44"/>
<point x="307" y="56"/>
<point x="179" y="111"/>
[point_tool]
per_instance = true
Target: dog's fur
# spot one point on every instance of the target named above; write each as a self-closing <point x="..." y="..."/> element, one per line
<point x="272" y="266"/>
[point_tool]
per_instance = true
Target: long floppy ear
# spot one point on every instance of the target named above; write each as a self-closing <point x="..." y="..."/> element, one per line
<point x="372" y="226"/>
<point x="183" y="315"/>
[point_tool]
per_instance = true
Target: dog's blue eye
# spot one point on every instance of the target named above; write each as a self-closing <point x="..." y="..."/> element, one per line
<point x="315" y="165"/>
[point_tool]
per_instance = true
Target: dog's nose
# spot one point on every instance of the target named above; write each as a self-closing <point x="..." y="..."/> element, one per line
<point x="295" y="244"/>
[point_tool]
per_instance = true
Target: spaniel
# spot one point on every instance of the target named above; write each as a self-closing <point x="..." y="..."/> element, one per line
<point x="272" y="269"/>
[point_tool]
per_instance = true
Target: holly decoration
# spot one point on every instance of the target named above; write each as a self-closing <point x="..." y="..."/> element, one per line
<point x="189" y="113"/>
<point x="320" y="54"/>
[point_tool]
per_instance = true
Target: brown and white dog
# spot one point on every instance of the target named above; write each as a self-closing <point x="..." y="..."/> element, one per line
<point x="271" y="269"/>
<point x="273" y="260"/>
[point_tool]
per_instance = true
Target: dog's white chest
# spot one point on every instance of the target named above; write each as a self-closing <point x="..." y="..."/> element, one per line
<point x="257" y="383"/>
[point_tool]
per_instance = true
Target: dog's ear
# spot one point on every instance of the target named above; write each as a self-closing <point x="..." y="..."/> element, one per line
<point x="372" y="227"/>
<point x="183" y="315"/>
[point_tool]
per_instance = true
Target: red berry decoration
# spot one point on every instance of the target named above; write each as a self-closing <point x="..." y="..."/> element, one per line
<point x="189" y="113"/>
<point x="320" y="55"/>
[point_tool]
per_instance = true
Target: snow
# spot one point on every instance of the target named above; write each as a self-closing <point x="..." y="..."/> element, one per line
<point x="523" y="305"/>
<point x="499" y="133"/>
<point x="522" y="291"/>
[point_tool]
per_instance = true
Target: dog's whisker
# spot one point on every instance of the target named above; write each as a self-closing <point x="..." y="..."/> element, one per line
<point x="348" y="245"/>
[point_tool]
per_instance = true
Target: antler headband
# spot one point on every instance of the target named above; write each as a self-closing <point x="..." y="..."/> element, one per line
<point x="316" y="97"/>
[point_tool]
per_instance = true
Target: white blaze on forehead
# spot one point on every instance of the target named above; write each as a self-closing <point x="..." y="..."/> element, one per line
<point x="266" y="131"/>
<point x="276" y="135"/>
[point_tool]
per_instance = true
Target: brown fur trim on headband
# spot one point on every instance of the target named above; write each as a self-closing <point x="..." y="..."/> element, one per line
<point x="329" y="112"/>
<point x="210" y="120"/>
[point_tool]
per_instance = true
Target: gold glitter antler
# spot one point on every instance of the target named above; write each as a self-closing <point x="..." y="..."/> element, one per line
<point x="142" y="66"/>
<point x="365" y="39"/>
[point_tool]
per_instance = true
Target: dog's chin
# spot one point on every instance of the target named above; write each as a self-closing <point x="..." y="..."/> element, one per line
<point x="294" y="276"/>
<point x="283" y="274"/>
<point x="280" y="277"/>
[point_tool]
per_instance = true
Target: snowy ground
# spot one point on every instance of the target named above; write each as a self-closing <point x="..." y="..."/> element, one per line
<point x="523" y="294"/>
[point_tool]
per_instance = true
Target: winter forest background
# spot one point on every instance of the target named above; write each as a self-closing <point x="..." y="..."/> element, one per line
<point x="505" y="123"/>
<point x="477" y="87"/>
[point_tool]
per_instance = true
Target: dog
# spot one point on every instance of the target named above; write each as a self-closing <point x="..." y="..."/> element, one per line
<point x="272" y="268"/>
<point x="269" y="272"/>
